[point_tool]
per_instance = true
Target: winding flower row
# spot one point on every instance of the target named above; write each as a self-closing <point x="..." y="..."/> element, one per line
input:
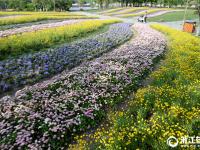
<point x="46" y="114"/>
<point x="34" y="67"/>
<point x="38" y="27"/>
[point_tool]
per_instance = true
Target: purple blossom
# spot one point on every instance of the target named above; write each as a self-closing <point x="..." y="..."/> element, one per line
<point x="30" y="68"/>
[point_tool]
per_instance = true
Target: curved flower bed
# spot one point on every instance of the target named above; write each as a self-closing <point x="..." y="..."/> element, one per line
<point x="8" y="13"/>
<point x="168" y="106"/>
<point x="15" y="26"/>
<point x="38" y="17"/>
<point x="45" y="115"/>
<point x="38" y="27"/>
<point x="17" y="45"/>
<point x="128" y="11"/>
<point x="30" y="68"/>
<point x="9" y="16"/>
<point x="149" y="12"/>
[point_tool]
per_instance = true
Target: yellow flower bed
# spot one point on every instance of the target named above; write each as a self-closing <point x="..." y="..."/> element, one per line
<point x="169" y="106"/>
<point x="4" y="13"/>
<point x="35" y="41"/>
<point x="130" y="10"/>
<point x="38" y="17"/>
<point x="111" y="10"/>
<point x="150" y="11"/>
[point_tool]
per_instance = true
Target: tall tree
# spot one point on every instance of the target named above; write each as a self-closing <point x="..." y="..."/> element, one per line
<point x="63" y="4"/>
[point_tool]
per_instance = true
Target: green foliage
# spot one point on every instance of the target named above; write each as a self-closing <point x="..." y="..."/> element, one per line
<point x="44" y="5"/>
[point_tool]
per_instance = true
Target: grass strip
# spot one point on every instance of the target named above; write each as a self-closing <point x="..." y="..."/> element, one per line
<point x="174" y="16"/>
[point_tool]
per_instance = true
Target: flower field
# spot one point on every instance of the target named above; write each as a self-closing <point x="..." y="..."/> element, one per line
<point x="127" y="11"/>
<point x="7" y="13"/>
<point x="74" y="101"/>
<point x="43" y="64"/>
<point x="137" y="11"/>
<point x="3" y="28"/>
<point x="10" y="13"/>
<point x="16" y="45"/>
<point x="132" y="10"/>
<point x="33" y="17"/>
<point x="150" y="11"/>
<point x="77" y="81"/>
<point x="38" y="27"/>
<point x="111" y="10"/>
<point x="169" y="106"/>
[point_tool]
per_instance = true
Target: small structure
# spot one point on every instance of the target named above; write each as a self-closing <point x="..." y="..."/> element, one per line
<point x="189" y="26"/>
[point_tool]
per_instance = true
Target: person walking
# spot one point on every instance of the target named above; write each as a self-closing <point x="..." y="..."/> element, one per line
<point x="145" y="17"/>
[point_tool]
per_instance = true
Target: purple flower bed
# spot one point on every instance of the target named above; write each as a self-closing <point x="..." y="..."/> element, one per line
<point x="47" y="114"/>
<point x="34" y="67"/>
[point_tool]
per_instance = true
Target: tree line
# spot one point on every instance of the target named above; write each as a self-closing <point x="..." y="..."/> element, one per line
<point x="37" y="5"/>
<point x="61" y="5"/>
<point x="151" y="3"/>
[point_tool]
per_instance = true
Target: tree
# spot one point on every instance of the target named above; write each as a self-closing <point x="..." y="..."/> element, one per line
<point x="81" y="3"/>
<point x="63" y="4"/>
<point x="54" y="5"/>
<point x="3" y="4"/>
<point x="100" y="2"/>
<point x="46" y="5"/>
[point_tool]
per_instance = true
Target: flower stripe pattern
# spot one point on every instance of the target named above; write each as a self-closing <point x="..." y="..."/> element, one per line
<point x="46" y="114"/>
<point x="38" y="27"/>
<point x="34" y="67"/>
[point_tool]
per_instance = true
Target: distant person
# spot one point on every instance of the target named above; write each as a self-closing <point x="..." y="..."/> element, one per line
<point x="145" y="17"/>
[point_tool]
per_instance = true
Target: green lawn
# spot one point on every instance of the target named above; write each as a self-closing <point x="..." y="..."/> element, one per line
<point x="174" y="16"/>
